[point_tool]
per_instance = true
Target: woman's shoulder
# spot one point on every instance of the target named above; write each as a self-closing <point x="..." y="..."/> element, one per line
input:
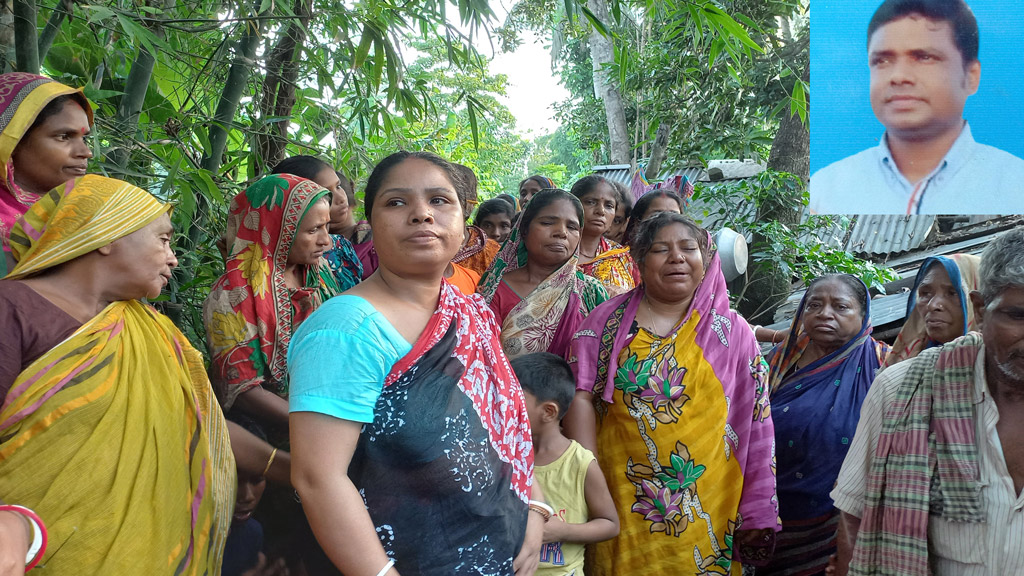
<point x="342" y="313"/>
<point x="599" y="316"/>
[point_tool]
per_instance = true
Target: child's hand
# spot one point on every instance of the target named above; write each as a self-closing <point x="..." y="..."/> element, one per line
<point x="555" y="530"/>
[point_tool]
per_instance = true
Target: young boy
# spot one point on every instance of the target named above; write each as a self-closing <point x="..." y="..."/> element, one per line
<point x="572" y="481"/>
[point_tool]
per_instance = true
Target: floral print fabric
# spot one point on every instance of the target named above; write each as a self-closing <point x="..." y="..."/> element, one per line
<point x="446" y="466"/>
<point x="684" y="434"/>
<point x="250" y="313"/>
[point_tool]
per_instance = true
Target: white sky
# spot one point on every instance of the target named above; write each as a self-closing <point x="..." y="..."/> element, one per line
<point x="532" y="86"/>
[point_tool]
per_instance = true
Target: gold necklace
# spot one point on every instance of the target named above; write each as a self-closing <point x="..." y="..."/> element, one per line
<point x="650" y="314"/>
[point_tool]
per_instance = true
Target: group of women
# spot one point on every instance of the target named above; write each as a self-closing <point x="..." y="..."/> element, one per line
<point x="373" y="358"/>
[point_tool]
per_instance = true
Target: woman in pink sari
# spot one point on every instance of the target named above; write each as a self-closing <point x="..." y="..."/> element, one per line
<point x="43" y="130"/>
<point x="534" y="288"/>
<point x="672" y="398"/>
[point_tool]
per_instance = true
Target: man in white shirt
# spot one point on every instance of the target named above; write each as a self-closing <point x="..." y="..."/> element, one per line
<point x="933" y="481"/>
<point x="923" y="60"/>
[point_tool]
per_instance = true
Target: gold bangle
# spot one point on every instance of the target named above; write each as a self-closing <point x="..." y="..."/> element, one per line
<point x="269" y="462"/>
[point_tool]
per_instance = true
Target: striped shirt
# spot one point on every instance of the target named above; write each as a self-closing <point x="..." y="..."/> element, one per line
<point x="954" y="548"/>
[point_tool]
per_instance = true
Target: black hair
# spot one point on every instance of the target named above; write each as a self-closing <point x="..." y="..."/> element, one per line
<point x="547" y="377"/>
<point x="302" y="166"/>
<point x="384" y="167"/>
<point x="513" y="202"/>
<point x="641" y="207"/>
<point x="625" y="200"/>
<point x="470" y="180"/>
<point x="649" y="229"/>
<point x="542" y="200"/>
<point x="588" y="184"/>
<point x="348" y="186"/>
<point x="956" y="12"/>
<point x="492" y="207"/>
<point x="542" y="181"/>
<point x="860" y="291"/>
<point x="56" y="106"/>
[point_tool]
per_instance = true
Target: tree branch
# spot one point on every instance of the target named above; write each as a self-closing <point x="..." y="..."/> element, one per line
<point x="26" y="43"/>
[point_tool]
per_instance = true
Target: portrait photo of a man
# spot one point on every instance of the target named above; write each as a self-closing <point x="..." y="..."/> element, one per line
<point x="923" y="64"/>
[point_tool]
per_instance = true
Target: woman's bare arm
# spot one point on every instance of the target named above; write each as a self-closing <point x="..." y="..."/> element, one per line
<point x="580" y="422"/>
<point x="15" y="538"/>
<point x="252" y="454"/>
<point x="322" y="449"/>
<point x="264" y="406"/>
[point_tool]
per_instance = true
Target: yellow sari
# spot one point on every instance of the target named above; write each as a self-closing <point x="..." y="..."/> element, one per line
<point x="696" y="520"/>
<point x="113" y="436"/>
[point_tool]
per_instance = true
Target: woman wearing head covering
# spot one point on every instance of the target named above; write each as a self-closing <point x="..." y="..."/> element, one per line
<point x="600" y="257"/>
<point x="415" y="456"/>
<point x="938" y="310"/>
<point x="43" y="130"/>
<point x="109" y="429"/>
<point x="342" y="257"/>
<point x="818" y="380"/>
<point x="672" y="398"/>
<point x="539" y="262"/>
<point x="276" y="276"/>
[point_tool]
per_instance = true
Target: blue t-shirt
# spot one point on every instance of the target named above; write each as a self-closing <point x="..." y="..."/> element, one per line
<point x="339" y="357"/>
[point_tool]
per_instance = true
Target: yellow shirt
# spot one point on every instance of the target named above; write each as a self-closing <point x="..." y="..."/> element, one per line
<point x="563" y="482"/>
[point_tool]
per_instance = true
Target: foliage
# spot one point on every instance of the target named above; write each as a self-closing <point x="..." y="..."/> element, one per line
<point x="804" y="251"/>
<point x="718" y="72"/>
<point x="361" y="92"/>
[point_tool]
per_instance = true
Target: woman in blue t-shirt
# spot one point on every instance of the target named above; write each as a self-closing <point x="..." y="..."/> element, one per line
<point x="410" y="440"/>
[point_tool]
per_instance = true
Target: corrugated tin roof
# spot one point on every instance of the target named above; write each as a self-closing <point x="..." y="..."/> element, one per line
<point x="623" y="175"/>
<point x="888" y="234"/>
<point x="892" y="234"/>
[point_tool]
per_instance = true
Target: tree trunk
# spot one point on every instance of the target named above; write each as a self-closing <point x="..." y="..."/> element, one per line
<point x="6" y="36"/>
<point x="278" y="94"/>
<point x="220" y="124"/>
<point x="659" y="151"/>
<point x="126" y="121"/>
<point x="603" y="52"/>
<point x="60" y="11"/>
<point x="234" y="86"/>
<point x="769" y="287"/>
<point x="26" y="37"/>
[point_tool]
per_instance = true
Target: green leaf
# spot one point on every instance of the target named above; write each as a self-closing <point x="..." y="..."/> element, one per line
<point x="595" y="22"/>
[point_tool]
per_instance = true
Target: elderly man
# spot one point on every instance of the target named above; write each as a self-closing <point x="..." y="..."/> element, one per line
<point x="932" y="483"/>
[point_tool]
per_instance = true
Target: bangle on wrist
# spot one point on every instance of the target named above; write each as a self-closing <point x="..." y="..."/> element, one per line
<point x="542" y="508"/>
<point x="39" y="535"/>
<point x="386" y="568"/>
<point x="269" y="462"/>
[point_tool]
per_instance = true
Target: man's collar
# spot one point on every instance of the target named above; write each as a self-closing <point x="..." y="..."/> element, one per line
<point x="955" y="157"/>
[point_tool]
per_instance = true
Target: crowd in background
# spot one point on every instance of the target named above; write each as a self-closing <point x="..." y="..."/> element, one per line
<point x="548" y="382"/>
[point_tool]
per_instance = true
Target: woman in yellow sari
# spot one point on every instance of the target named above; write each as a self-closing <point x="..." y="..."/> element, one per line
<point x="112" y="436"/>
<point x="672" y="398"/>
<point x="43" y="130"/>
